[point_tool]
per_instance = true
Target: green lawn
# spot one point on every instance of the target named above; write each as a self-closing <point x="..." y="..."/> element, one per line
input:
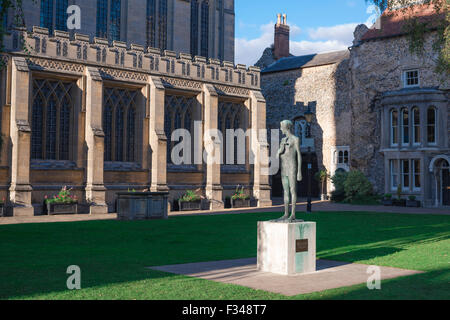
<point x="113" y="255"/>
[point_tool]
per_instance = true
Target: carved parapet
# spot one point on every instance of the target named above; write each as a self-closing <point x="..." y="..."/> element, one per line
<point x="80" y="49"/>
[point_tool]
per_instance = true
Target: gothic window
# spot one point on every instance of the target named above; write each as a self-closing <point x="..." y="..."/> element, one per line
<point x="204" y="46"/>
<point x="119" y="124"/>
<point x="178" y="115"/>
<point x="151" y="23"/>
<point x="114" y="32"/>
<point x="51" y="120"/>
<point x="231" y="117"/>
<point x="162" y="24"/>
<point x="405" y="126"/>
<point x="194" y="27"/>
<point x="431" y="125"/>
<point x="46" y="16"/>
<point x="5" y="20"/>
<point x="61" y="15"/>
<point x="102" y="18"/>
<point x="394" y="127"/>
<point x="416" y="125"/>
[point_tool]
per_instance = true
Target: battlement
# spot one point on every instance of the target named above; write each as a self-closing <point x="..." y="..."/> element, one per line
<point x="79" y="48"/>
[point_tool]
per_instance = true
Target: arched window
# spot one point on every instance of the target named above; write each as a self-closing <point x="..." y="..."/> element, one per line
<point x="231" y="117"/>
<point x="119" y="124"/>
<point x="341" y="157"/>
<point x="151" y="23"/>
<point x="431" y="125"/>
<point x="46" y="16"/>
<point x="61" y="15"/>
<point x="178" y="115"/>
<point x="405" y="126"/>
<point x="51" y="120"/>
<point x="346" y="157"/>
<point x="204" y="47"/>
<point x="416" y="125"/>
<point x="194" y="27"/>
<point x="394" y="127"/>
<point x="162" y="24"/>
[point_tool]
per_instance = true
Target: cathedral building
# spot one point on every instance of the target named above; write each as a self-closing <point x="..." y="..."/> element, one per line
<point x="97" y="115"/>
<point x="378" y="107"/>
<point x="197" y="27"/>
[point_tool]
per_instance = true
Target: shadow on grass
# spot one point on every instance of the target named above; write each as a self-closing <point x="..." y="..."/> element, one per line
<point x="35" y="257"/>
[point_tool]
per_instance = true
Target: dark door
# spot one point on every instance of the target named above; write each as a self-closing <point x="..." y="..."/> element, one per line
<point x="446" y="187"/>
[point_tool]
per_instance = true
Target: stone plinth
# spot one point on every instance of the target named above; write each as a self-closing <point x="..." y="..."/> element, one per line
<point x="287" y="248"/>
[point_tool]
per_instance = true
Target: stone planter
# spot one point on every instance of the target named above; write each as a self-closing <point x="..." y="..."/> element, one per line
<point x="399" y="203"/>
<point x="412" y="203"/>
<point x="387" y="202"/>
<point x="240" y="203"/>
<point x="142" y="205"/>
<point x="190" y="206"/>
<point x="62" y="208"/>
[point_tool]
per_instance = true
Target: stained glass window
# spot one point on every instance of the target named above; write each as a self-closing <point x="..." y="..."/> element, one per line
<point x="162" y="24"/>
<point x="194" y="27"/>
<point x="151" y="23"/>
<point x="47" y="14"/>
<point x="61" y="15"/>
<point x="119" y="124"/>
<point x="204" y="46"/>
<point x="102" y="18"/>
<point x="51" y="120"/>
<point x="114" y="31"/>
<point x="178" y="115"/>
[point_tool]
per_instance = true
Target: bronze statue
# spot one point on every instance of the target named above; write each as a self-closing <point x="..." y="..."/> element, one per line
<point x="291" y="168"/>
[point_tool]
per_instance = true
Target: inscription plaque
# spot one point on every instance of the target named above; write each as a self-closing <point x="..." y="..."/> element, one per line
<point x="301" y="245"/>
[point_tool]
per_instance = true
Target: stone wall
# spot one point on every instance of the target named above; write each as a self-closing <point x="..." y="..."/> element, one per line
<point x="377" y="67"/>
<point x="325" y="89"/>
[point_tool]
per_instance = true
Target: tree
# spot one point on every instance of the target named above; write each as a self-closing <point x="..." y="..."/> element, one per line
<point x="416" y="29"/>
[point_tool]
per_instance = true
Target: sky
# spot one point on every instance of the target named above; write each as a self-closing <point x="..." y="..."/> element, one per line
<point x="316" y="25"/>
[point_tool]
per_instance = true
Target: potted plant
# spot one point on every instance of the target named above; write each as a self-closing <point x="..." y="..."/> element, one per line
<point x="62" y="203"/>
<point x="190" y="201"/>
<point x="240" y="199"/>
<point x="412" y="202"/>
<point x="2" y="207"/>
<point x="387" y="199"/>
<point x="322" y="176"/>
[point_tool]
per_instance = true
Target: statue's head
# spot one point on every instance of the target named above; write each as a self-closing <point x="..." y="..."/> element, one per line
<point x="286" y="126"/>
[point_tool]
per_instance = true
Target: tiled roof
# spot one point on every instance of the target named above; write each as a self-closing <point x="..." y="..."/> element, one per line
<point x="312" y="60"/>
<point x="393" y="21"/>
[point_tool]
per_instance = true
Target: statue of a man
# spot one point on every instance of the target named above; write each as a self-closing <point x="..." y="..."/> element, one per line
<point x="291" y="168"/>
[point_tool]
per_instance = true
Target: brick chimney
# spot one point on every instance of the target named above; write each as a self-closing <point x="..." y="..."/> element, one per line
<point x="281" y="43"/>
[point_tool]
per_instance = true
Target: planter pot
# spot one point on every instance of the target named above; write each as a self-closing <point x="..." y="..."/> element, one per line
<point x="412" y="203"/>
<point x="387" y="202"/>
<point x="190" y="206"/>
<point x="142" y="205"/>
<point x="399" y="203"/>
<point x="240" y="203"/>
<point x="62" y="208"/>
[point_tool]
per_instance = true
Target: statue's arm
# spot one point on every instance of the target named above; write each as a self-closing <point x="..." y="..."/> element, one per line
<point x="299" y="160"/>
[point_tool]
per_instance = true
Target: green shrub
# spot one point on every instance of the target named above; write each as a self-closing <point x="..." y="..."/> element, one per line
<point x="357" y="186"/>
<point x="190" y="196"/>
<point x="338" y="180"/>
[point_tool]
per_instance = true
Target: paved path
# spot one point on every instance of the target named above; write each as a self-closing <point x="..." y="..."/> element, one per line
<point x="301" y="206"/>
<point x="243" y="272"/>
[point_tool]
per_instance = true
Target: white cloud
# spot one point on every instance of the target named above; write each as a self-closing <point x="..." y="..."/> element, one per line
<point x="321" y="39"/>
<point x="341" y="33"/>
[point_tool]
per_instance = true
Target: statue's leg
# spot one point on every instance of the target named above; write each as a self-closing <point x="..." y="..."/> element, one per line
<point x="286" y="188"/>
<point x="293" y="190"/>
